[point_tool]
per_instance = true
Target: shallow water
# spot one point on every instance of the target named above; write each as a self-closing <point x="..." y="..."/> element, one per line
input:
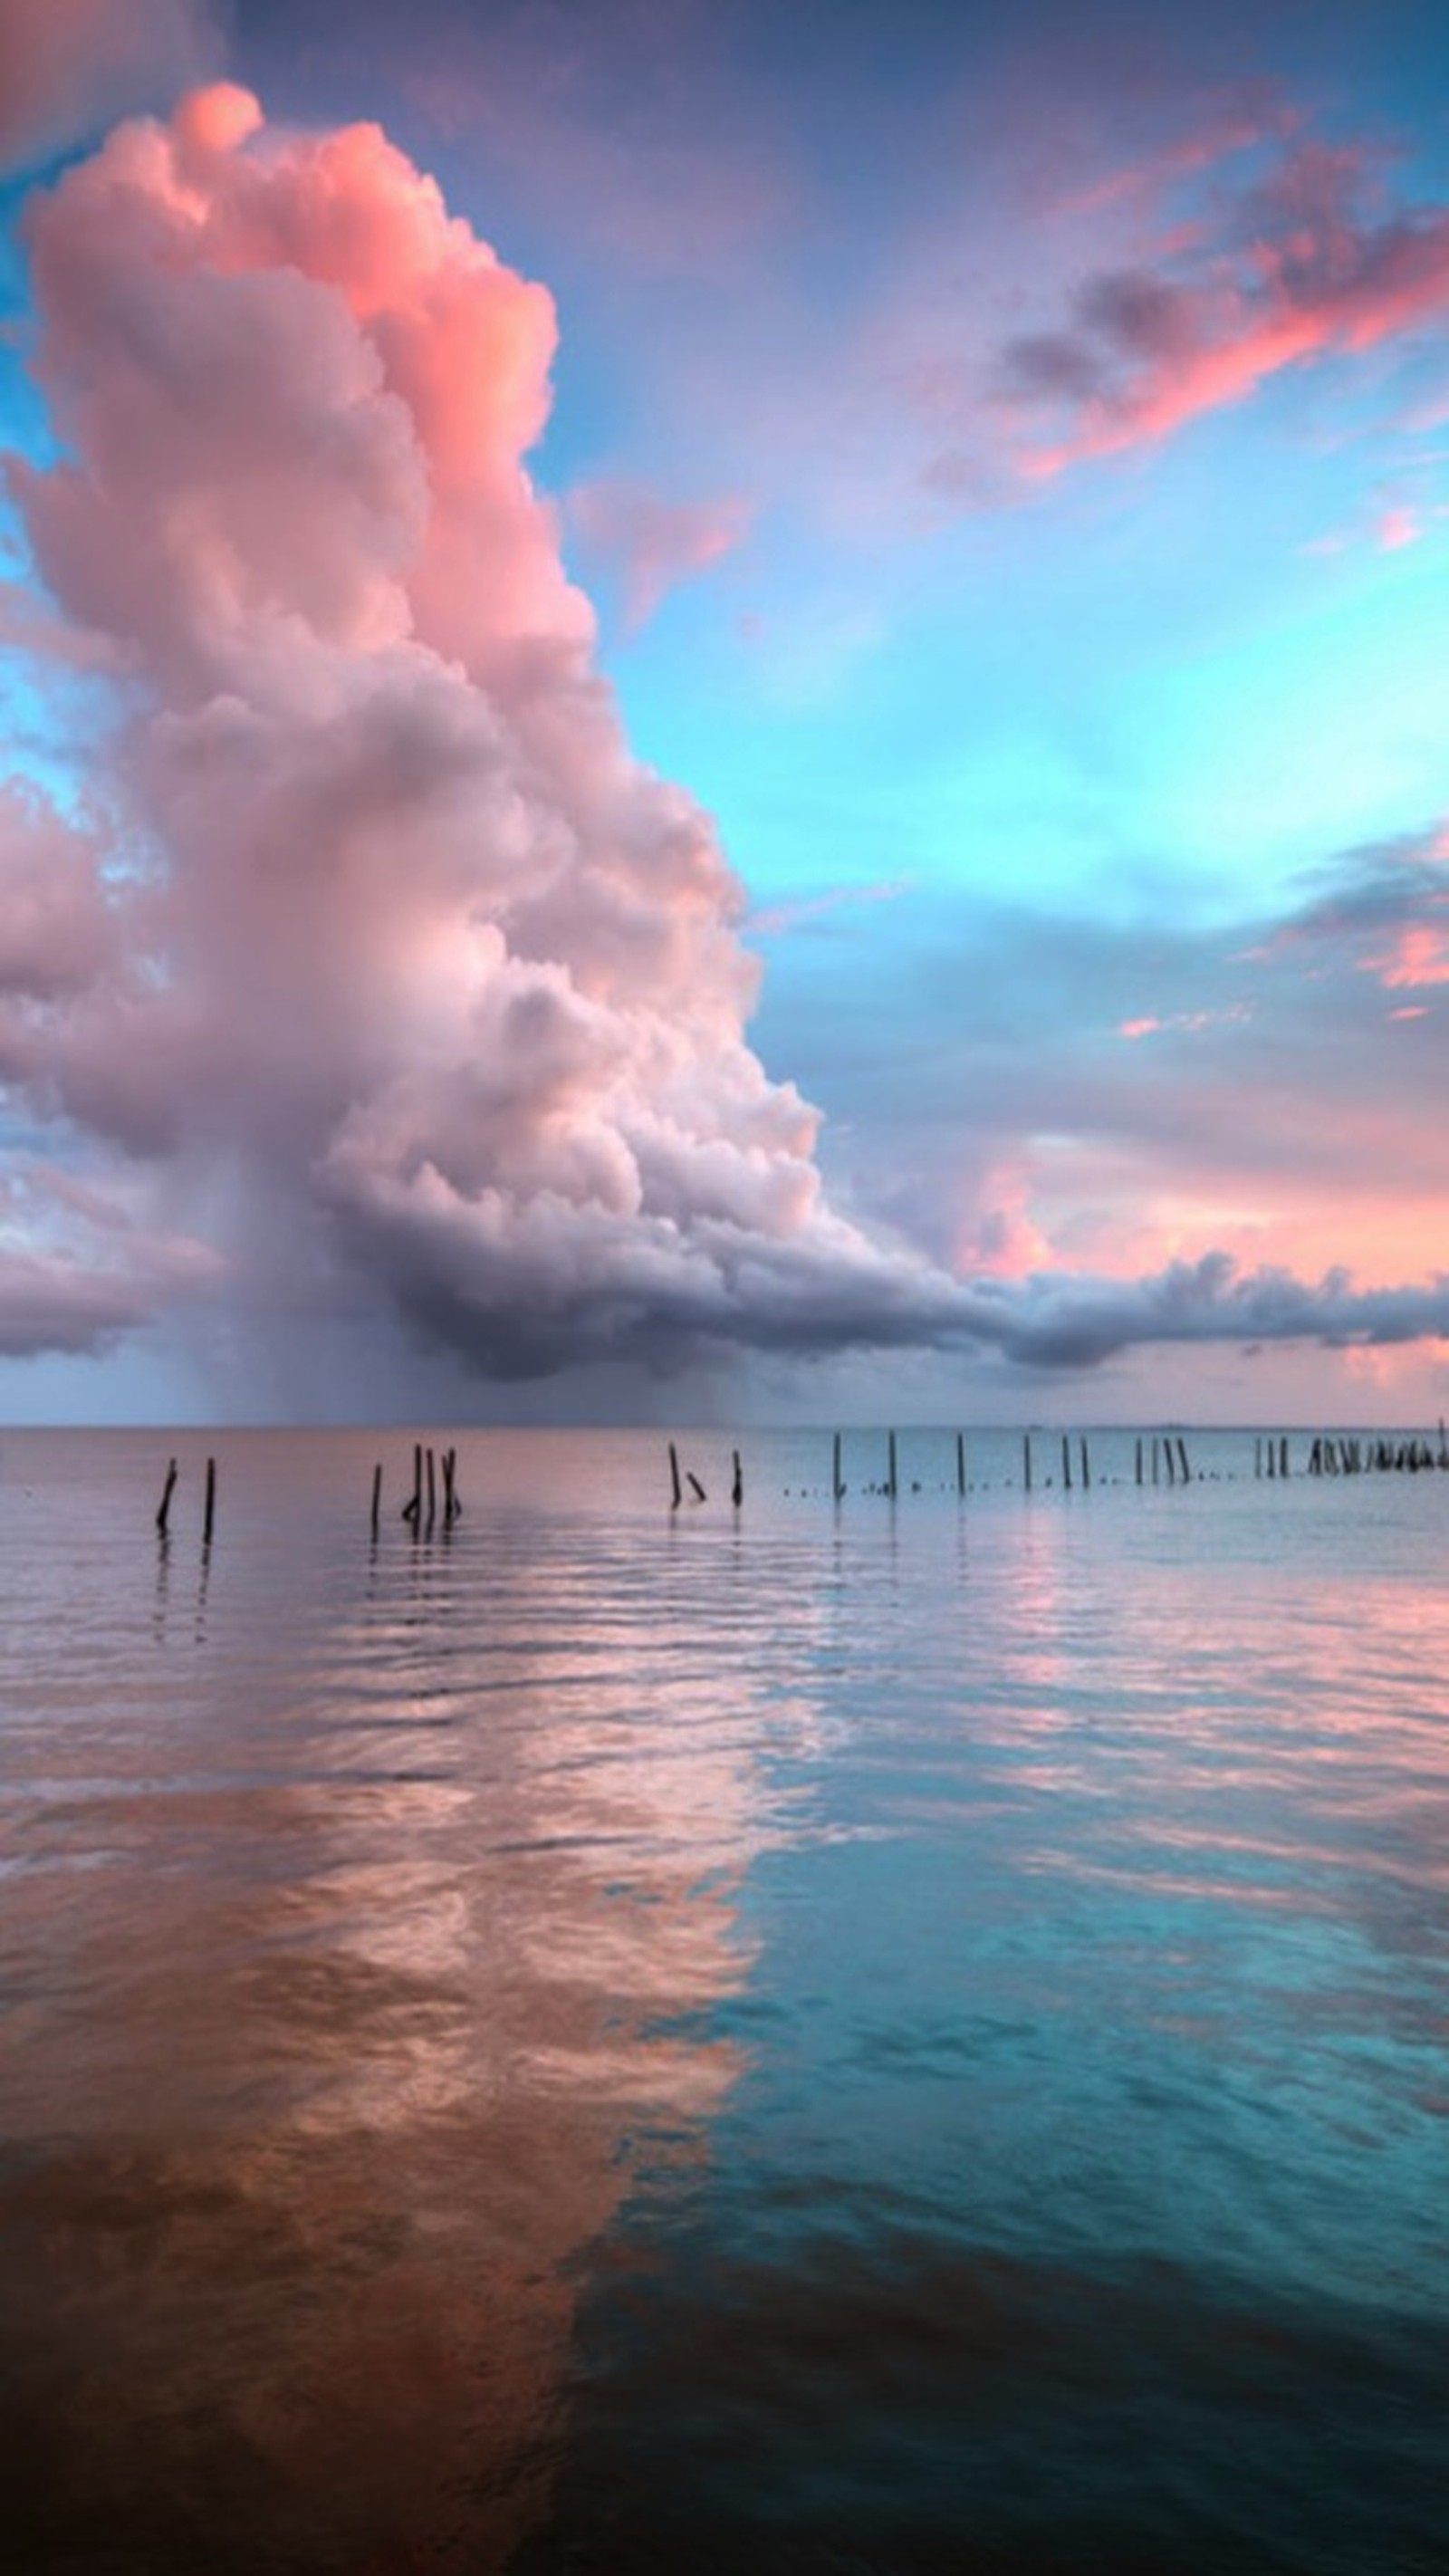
<point x="896" y="2036"/>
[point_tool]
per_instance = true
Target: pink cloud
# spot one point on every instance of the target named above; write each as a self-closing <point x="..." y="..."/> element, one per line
<point x="780" y="919"/>
<point x="81" y="1264"/>
<point x="1230" y="126"/>
<point x="1418" y="954"/>
<point x="653" y="544"/>
<point x="417" y="949"/>
<point x="1002" y="1238"/>
<point x="376" y="948"/>
<point x="56" y="931"/>
<point x="1399" y="526"/>
<point x="1190" y="1021"/>
<point x="68" y="66"/>
<point x="1304" y="272"/>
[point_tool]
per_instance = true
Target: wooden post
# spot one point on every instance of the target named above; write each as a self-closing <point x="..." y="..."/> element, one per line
<point x="678" y="1496"/>
<point x="376" y="1496"/>
<point x="960" y="1462"/>
<point x="1182" y="1459"/>
<point x="737" y="1490"/>
<point x="1167" y="1454"/>
<point x="1258" y="1455"/>
<point x="891" y="1472"/>
<point x="1155" y="1475"/>
<point x="210" y="1511"/>
<point x="700" y="1495"/>
<point x="432" y="1492"/>
<point x="1026" y="1458"/>
<point x="1283" y="1456"/>
<point x="413" y="1510"/>
<point x="1086" y="1465"/>
<point x="839" y="1484"/>
<point x="1066" y="1462"/>
<point x="166" y="1493"/>
<point x="1139" y="1457"/>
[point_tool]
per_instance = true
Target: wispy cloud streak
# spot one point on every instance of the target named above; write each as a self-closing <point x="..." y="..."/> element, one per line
<point x="1306" y="267"/>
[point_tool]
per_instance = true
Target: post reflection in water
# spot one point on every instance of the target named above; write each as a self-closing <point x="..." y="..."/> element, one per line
<point x="847" y="2034"/>
<point x="362" y="1963"/>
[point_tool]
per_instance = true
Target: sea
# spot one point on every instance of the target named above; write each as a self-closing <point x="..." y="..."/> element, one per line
<point x="840" y="2030"/>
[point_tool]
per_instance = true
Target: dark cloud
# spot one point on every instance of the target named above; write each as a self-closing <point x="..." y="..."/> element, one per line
<point x="1079" y="1323"/>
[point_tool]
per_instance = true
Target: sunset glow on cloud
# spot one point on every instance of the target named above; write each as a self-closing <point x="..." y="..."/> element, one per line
<point x="1303" y="272"/>
<point x="371" y="963"/>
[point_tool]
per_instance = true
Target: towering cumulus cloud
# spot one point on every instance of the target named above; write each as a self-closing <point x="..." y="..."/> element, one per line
<point x="383" y="931"/>
<point x="360" y="966"/>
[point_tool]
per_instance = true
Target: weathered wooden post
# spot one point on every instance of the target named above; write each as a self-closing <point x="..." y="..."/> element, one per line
<point x="737" y="1490"/>
<point x="1066" y="1462"/>
<point x="891" y="1466"/>
<point x="1139" y="1457"/>
<point x="839" y="1486"/>
<point x="960" y="1462"/>
<point x="1026" y="1458"/>
<point x="1182" y="1459"/>
<point x="677" y="1496"/>
<point x="376" y="1496"/>
<point x="1156" y="1478"/>
<point x="209" y="1513"/>
<point x="413" y="1510"/>
<point x="1283" y="1455"/>
<point x="167" y="1491"/>
<point x="700" y="1495"/>
<point x="1086" y="1465"/>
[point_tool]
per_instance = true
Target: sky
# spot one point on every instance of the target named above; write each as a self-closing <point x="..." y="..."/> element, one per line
<point x="721" y="713"/>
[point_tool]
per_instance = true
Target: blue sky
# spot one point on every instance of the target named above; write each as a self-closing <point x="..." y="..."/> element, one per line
<point x="1008" y="459"/>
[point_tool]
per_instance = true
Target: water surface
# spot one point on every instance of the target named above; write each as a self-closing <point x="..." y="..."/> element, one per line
<point x="903" y="2034"/>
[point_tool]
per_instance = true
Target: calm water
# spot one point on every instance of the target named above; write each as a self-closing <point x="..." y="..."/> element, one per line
<point x="870" y="2038"/>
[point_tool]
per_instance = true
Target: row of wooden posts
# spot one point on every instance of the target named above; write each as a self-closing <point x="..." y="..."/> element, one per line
<point x="1332" y="1455"/>
<point x="420" y="1510"/>
<point x="891" y="1485"/>
<point x="1158" y="1457"/>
